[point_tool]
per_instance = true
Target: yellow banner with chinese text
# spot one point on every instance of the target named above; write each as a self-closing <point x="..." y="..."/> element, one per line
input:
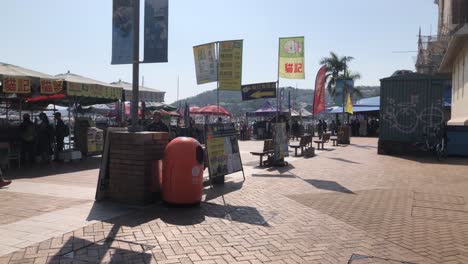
<point x="291" y="58"/>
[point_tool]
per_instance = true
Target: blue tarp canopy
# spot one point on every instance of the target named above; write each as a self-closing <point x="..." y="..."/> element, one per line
<point x="371" y="101"/>
<point x="356" y="109"/>
<point x="371" y="104"/>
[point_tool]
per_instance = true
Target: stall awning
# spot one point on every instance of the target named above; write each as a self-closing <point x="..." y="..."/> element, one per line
<point x="87" y="91"/>
<point x="146" y="94"/>
<point x="17" y="81"/>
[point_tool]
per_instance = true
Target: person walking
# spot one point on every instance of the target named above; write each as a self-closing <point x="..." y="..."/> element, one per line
<point x="28" y="138"/>
<point x="320" y="129"/>
<point x="333" y="128"/>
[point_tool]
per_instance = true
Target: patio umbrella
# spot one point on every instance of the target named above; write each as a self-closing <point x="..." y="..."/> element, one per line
<point x="194" y="109"/>
<point x="213" y="110"/>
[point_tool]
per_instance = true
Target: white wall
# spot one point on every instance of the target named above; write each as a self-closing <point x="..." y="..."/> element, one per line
<point x="460" y="88"/>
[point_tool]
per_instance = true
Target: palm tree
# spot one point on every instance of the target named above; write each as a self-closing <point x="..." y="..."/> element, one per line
<point x="350" y="75"/>
<point x="335" y="66"/>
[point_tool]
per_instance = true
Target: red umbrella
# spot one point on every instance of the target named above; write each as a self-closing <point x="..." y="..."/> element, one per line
<point x="194" y="109"/>
<point x="169" y="113"/>
<point x="213" y="110"/>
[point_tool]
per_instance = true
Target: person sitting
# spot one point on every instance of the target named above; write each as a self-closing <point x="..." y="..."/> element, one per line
<point x="157" y="125"/>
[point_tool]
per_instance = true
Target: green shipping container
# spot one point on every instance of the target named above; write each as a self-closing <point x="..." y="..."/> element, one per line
<point x="411" y="106"/>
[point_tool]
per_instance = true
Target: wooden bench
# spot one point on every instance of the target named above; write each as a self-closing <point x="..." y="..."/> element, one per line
<point x="268" y="150"/>
<point x="335" y="141"/>
<point x="308" y="140"/>
<point x="302" y="144"/>
<point x="325" y="139"/>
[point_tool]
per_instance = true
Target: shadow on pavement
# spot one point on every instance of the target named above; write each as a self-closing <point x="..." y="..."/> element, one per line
<point x="328" y="185"/>
<point x="54" y="168"/>
<point x="364" y="146"/>
<point x="108" y="250"/>
<point x="345" y="160"/>
<point x="198" y="214"/>
<point x="428" y="158"/>
<point x="222" y="189"/>
<point x="274" y="175"/>
<point x="281" y="170"/>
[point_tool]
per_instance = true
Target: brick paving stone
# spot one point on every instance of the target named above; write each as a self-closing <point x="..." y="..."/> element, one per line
<point x="322" y="210"/>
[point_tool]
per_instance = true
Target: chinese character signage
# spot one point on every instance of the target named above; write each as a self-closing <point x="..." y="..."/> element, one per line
<point x="206" y="66"/>
<point x="258" y="90"/>
<point x="230" y="65"/>
<point x="16" y="85"/>
<point x="51" y="86"/>
<point x="156" y="30"/>
<point x="122" y="31"/>
<point x="93" y="90"/>
<point x="291" y="58"/>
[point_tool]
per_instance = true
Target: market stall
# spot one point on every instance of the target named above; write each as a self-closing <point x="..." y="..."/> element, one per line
<point x="261" y="125"/>
<point x="82" y="91"/>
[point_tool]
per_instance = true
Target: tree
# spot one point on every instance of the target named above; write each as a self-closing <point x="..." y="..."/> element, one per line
<point x="337" y="69"/>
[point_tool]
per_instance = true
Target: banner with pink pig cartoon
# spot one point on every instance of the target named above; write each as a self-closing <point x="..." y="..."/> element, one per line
<point x="291" y="58"/>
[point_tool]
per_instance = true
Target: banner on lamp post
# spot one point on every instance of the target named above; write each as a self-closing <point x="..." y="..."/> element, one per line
<point x="156" y="31"/>
<point x="291" y="58"/>
<point x="122" y="31"/>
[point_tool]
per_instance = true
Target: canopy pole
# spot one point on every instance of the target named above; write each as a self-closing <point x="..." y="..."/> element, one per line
<point x="69" y="124"/>
<point x="136" y="67"/>
<point x="20" y="108"/>
<point x="7" y="108"/>
<point x="217" y="78"/>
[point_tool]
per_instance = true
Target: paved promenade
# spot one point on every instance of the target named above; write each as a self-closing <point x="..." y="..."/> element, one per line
<point x="346" y="205"/>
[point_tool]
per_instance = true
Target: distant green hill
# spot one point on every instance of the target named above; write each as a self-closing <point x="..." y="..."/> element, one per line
<point x="232" y="101"/>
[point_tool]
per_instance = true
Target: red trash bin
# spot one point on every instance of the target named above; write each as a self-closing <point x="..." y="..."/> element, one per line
<point x="183" y="171"/>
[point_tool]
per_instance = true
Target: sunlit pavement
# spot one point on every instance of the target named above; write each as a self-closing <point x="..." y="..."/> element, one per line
<point x="346" y="205"/>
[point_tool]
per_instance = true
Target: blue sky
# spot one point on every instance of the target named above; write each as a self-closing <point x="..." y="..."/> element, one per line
<point x="54" y="36"/>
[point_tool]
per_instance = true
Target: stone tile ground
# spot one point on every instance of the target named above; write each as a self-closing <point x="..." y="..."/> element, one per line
<point x="347" y="205"/>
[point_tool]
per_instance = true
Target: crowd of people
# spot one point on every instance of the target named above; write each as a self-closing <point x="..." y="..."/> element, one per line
<point x="323" y="127"/>
<point x="365" y="127"/>
<point x="41" y="139"/>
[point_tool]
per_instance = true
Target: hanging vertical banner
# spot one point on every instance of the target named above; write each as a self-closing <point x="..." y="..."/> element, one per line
<point x="156" y="30"/>
<point x="16" y="85"/>
<point x="122" y="31"/>
<point x="291" y="58"/>
<point x="230" y="65"/>
<point x="319" y="92"/>
<point x="206" y="67"/>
